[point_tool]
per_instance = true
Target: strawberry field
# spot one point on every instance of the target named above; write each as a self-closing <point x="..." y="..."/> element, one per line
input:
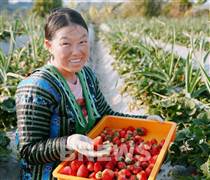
<point x="168" y="84"/>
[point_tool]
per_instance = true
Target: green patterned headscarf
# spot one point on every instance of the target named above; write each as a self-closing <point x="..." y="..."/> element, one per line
<point x="82" y="126"/>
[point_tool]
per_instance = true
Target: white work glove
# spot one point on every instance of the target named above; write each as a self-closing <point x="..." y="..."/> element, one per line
<point x="154" y="117"/>
<point x="84" y="145"/>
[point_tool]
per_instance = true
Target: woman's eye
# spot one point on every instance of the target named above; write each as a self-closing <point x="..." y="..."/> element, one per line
<point x="65" y="44"/>
<point x="83" y="42"/>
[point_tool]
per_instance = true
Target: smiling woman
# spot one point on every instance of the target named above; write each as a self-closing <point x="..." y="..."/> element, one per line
<point x="70" y="50"/>
<point x="59" y="103"/>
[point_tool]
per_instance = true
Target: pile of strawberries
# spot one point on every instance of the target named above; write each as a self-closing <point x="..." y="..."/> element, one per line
<point x="130" y="158"/>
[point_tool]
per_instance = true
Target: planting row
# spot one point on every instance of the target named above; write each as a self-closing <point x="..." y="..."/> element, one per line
<point x="189" y="32"/>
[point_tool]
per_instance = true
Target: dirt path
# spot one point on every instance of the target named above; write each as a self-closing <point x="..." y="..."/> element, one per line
<point x="109" y="80"/>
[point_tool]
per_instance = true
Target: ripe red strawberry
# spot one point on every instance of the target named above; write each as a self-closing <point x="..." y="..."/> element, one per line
<point x="141" y="131"/>
<point x="138" y="139"/>
<point x="107" y="174"/>
<point x="149" y="169"/>
<point x="90" y="166"/>
<point x="116" y="140"/>
<point x="121" y="177"/>
<point x="136" y="169"/>
<point x="82" y="171"/>
<point x="153" y="141"/>
<point x="141" y="176"/>
<point x="109" y="165"/>
<point x="153" y="159"/>
<point x="145" y="156"/>
<point x="97" y="167"/>
<point x="131" y="128"/>
<point x="154" y="150"/>
<point x="133" y="177"/>
<point x="122" y="133"/>
<point x="81" y="101"/>
<point x="125" y="172"/>
<point x="144" y="164"/>
<point x="66" y="170"/>
<point x="130" y="167"/>
<point x="75" y="164"/>
<point x="92" y="175"/>
<point x="121" y="165"/>
<point x="137" y="150"/>
<point x="97" y="142"/>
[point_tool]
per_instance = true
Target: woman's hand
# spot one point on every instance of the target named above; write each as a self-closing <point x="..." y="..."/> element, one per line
<point x="84" y="145"/>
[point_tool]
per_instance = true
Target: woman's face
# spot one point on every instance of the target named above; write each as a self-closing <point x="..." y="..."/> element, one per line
<point x="70" y="48"/>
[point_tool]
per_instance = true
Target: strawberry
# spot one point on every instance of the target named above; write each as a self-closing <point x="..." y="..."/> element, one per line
<point x="107" y="174"/>
<point x="138" y="139"/>
<point x="116" y="140"/>
<point x="97" y="167"/>
<point x="141" y="131"/>
<point x="90" y="166"/>
<point x="92" y="175"/>
<point x="82" y="171"/>
<point x="153" y="159"/>
<point x="131" y="128"/>
<point x="121" y="177"/>
<point x="121" y="165"/>
<point x="141" y="175"/>
<point x="130" y="167"/>
<point x="125" y="172"/>
<point x="133" y="177"/>
<point x="137" y="150"/>
<point x="145" y="156"/>
<point x="144" y="164"/>
<point x="136" y="169"/>
<point x="149" y="169"/>
<point x="153" y="141"/>
<point x="154" y="150"/>
<point x="109" y="165"/>
<point x="75" y="164"/>
<point x="122" y="133"/>
<point x="66" y="170"/>
<point x="81" y="101"/>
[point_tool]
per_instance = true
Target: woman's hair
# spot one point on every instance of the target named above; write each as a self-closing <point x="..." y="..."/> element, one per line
<point x="62" y="17"/>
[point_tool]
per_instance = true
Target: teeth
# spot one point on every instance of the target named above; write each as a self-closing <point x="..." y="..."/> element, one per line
<point x="75" y="60"/>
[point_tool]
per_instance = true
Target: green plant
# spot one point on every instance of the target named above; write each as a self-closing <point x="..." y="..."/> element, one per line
<point x="43" y="7"/>
<point x="17" y="64"/>
<point x="191" y="145"/>
<point x="4" y="142"/>
<point x="7" y="113"/>
<point x="5" y="61"/>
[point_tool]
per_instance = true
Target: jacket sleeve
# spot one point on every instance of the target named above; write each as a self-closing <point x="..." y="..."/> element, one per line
<point x="34" y="109"/>
<point x="102" y="106"/>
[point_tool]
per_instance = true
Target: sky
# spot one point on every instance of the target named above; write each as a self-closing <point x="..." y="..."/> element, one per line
<point x="66" y="1"/>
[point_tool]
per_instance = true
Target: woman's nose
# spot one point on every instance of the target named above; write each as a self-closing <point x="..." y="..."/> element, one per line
<point x="75" y="50"/>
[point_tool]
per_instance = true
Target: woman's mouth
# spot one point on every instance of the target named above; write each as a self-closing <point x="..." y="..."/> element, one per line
<point x="75" y="61"/>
